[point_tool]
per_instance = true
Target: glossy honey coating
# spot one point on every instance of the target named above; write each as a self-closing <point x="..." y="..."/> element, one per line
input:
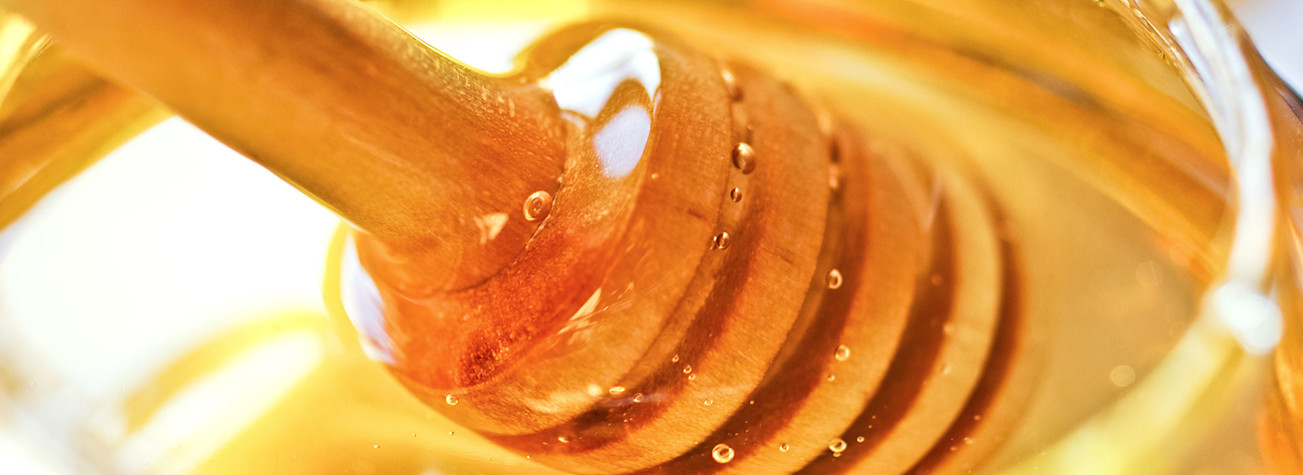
<point x="726" y="278"/>
<point x="400" y="140"/>
<point x="917" y="397"/>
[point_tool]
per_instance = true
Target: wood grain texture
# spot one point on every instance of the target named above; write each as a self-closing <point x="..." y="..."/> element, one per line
<point x="758" y="279"/>
<point x="403" y="142"/>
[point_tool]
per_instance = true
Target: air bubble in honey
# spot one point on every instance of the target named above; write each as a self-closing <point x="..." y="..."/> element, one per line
<point x="730" y="85"/>
<point x="722" y="453"/>
<point x="721" y="241"/>
<point x="744" y="157"/>
<point x="834" y="279"/>
<point x="843" y="353"/>
<point x="538" y="205"/>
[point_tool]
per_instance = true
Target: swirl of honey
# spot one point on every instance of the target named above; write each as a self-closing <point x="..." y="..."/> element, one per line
<point x="725" y="278"/>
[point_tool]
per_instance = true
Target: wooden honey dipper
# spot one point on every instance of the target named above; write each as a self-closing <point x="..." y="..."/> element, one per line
<point x="626" y="256"/>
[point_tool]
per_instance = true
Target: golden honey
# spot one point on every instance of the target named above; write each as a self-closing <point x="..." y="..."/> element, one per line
<point x="1045" y="211"/>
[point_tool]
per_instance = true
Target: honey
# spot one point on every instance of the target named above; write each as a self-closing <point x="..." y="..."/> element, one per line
<point x="871" y="240"/>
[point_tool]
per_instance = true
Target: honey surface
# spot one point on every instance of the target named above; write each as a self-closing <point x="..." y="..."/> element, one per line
<point x="974" y="259"/>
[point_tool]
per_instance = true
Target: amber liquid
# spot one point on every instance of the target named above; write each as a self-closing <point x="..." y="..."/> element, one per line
<point x="1108" y="183"/>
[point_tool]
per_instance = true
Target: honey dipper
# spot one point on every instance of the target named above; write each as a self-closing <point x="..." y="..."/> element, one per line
<point x="628" y="255"/>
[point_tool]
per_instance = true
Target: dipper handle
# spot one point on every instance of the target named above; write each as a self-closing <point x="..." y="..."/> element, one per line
<point x="404" y="142"/>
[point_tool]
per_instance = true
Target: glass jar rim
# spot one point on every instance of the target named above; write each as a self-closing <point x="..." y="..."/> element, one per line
<point x="1212" y="54"/>
<point x="1238" y="314"/>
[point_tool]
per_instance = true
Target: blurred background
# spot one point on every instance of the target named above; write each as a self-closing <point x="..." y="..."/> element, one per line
<point x="287" y="282"/>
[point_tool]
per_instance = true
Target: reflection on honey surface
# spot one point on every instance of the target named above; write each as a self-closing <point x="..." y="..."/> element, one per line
<point x="1042" y="217"/>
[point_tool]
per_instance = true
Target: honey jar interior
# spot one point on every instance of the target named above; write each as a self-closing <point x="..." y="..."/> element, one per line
<point x="1072" y="162"/>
